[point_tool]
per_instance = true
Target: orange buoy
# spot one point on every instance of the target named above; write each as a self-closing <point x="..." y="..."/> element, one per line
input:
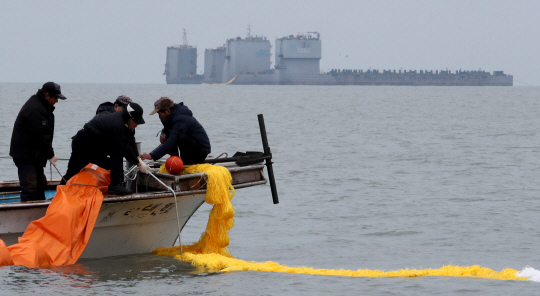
<point x="174" y="165"/>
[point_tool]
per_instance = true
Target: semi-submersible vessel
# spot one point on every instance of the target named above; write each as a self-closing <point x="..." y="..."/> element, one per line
<point x="297" y="62"/>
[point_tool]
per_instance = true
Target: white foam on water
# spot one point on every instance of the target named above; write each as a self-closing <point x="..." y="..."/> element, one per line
<point x="530" y="273"/>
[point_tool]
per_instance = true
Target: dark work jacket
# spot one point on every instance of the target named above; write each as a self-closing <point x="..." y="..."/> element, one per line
<point x="105" y="108"/>
<point x="31" y="140"/>
<point x="181" y="121"/>
<point x="110" y="134"/>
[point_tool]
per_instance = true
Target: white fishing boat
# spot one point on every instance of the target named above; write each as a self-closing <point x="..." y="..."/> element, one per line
<point x="132" y="224"/>
<point x="148" y="218"/>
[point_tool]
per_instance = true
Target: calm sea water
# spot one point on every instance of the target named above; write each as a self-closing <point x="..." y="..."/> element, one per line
<point x="369" y="177"/>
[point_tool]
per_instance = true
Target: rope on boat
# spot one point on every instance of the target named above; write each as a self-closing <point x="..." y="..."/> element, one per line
<point x="59" y="173"/>
<point x="175" y="205"/>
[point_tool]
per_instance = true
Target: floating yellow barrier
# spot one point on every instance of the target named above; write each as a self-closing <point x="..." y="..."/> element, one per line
<point x="216" y="262"/>
<point x="219" y="193"/>
<point x="211" y="250"/>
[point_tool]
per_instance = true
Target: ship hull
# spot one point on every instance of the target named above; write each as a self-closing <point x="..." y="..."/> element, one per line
<point x="374" y="79"/>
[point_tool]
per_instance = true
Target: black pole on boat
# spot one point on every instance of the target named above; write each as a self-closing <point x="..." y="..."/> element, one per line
<point x="268" y="160"/>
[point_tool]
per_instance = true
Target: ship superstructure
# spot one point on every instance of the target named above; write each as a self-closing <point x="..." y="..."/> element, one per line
<point x="298" y="58"/>
<point x="181" y="65"/>
<point x="214" y="61"/>
<point x="297" y="62"/>
<point x="248" y="55"/>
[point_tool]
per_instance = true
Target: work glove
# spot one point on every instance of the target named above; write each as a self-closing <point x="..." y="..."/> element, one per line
<point x="143" y="167"/>
<point x="53" y="160"/>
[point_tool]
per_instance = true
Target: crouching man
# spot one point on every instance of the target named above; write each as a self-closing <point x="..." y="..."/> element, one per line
<point x="105" y="141"/>
<point x="118" y="105"/>
<point x="181" y="131"/>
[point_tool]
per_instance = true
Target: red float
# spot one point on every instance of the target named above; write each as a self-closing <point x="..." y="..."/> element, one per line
<point x="174" y="165"/>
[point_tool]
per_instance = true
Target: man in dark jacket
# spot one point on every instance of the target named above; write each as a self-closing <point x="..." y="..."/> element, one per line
<point x="105" y="141"/>
<point x="31" y="141"/>
<point x="118" y="105"/>
<point x="180" y="131"/>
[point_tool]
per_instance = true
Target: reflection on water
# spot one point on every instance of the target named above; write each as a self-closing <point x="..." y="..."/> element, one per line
<point x="95" y="276"/>
<point x="134" y="267"/>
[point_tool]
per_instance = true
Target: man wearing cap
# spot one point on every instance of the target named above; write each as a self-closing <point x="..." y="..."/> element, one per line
<point x="105" y="141"/>
<point x="180" y="131"/>
<point x="31" y="140"/>
<point x="118" y="105"/>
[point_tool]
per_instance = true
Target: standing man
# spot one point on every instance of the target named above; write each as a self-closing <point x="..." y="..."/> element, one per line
<point x="31" y="141"/>
<point x="180" y="131"/>
<point x="105" y="141"/>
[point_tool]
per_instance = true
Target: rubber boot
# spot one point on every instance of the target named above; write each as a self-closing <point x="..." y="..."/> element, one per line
<point x="119" y="190"/>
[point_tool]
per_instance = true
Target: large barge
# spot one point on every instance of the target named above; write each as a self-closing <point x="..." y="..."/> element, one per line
<point x="297" y="62"/>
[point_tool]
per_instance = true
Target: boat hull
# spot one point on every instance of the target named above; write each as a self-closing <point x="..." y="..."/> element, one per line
<point x="139" y="226"/>
<point x="122" y="228"/>
<point x="131" y="224"/>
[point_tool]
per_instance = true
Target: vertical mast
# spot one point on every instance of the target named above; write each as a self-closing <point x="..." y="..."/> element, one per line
<point x="184" y="37"/>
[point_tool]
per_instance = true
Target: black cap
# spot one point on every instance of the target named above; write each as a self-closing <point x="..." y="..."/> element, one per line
<point x="135" y="112"/>
<point x="53" y="89"/>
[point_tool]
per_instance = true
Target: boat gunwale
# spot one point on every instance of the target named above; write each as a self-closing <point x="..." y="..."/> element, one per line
<point x="148" y="195"/>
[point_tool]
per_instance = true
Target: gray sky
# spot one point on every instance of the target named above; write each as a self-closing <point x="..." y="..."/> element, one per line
<point x="125" y="41"/>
